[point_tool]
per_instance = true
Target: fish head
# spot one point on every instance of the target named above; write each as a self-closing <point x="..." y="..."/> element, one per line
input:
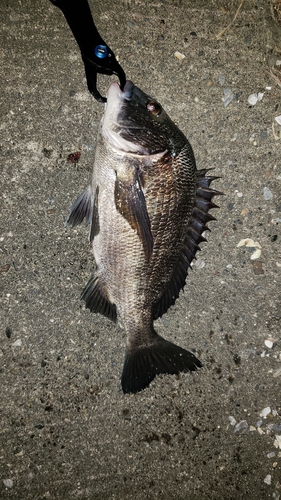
<point x="135" y="123"/>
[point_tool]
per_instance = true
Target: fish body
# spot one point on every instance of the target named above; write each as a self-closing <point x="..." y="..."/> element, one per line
<point x="147" y="206"/>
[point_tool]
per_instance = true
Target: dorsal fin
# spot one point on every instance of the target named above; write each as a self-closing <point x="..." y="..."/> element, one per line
<point x="197" y="225"/>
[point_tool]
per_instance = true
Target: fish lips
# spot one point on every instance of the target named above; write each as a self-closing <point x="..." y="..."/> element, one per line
<point x="130" y="92"/>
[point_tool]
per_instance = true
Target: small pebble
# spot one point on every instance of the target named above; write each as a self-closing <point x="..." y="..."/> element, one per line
<point x="267" y="479"/>
<point x="259" y="423"/>
<point x="254" y="98"/>
<point x="222" y="80"/>
<point x="267" y="194"/>
<point x="258" y="269"/>
<point x="271" y="454"/>
<point x="248" y="242"/>
<point x="231" y="420"/>
<point x="242" y="243"/>
<point x="269" y="343"/>
<point x="8" y="483"/>
<point x="277" y="442"/>
<point x="200" y="264"/>
<point x="278" y="119"/>
<point x="241" y="428"/>
<point x="256" y="254"/>
<point x="266" y="411"/>
<point x="274" y="427"/>
<point x="17" y="343"/>
<point x="228" y="97"/>
<point x="277" y="372"/>
<point x="179" y="56"/>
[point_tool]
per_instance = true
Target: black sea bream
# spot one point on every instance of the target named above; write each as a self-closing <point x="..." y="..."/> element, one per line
<point x="147" y="206"/>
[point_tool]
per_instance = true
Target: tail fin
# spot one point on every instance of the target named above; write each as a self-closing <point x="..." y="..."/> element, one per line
<point x="142" y="364"/>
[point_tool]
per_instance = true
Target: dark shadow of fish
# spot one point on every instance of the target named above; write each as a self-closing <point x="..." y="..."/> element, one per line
<point x="148" y="207"/>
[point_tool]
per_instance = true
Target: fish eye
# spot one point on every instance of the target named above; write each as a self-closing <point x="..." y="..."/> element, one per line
<point x="154" y="108"/>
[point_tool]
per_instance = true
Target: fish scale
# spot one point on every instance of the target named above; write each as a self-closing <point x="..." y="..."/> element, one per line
<point x="148" y="207"/>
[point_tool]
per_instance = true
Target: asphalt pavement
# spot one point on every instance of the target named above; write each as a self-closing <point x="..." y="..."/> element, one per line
<point x="67" y="430"/>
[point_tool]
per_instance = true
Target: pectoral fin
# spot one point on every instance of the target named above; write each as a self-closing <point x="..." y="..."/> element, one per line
<point x="130" y="203"/>
<point x="81" y="209"/>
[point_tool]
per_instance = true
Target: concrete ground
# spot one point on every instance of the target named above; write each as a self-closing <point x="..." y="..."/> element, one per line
<point x="67" y="431"/>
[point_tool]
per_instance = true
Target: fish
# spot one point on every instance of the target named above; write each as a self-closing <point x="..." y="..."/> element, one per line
<point x="147" y="207"/>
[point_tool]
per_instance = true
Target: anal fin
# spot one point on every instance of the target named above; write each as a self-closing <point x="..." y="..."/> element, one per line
<point x="96" y="299"/>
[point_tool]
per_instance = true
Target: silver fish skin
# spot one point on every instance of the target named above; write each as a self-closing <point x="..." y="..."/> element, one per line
<point x="148" y="207"/>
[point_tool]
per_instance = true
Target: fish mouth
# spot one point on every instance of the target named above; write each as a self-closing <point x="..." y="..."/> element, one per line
<point x="114" y="92"/>
<point x="128" y="90"/>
